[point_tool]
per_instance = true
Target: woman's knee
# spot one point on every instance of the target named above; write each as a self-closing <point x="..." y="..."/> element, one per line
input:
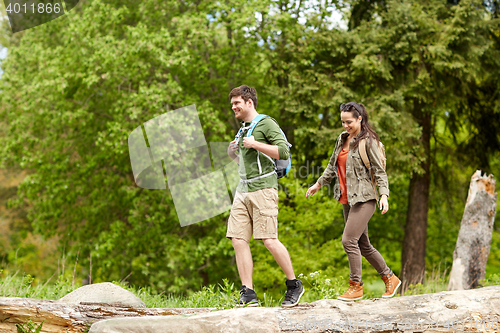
<point x="349" y="242"/>
<point x="367" y="251"/>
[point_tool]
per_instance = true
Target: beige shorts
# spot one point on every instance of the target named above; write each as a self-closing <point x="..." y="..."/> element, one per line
<point x="254" y="213"/>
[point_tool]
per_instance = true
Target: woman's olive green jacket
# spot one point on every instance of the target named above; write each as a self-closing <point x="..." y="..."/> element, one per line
<point x="359" y="185"/>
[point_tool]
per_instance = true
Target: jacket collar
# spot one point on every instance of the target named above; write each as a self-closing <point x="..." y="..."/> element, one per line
<point x="344" y="136"/>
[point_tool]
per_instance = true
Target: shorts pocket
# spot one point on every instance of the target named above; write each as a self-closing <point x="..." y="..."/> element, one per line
<point x="270" y="194"/>
<point x="268" y="221"/>
<point x="269" y="212"/>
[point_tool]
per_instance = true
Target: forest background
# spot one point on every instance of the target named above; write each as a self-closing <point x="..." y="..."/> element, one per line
<point x="72" y="90"/>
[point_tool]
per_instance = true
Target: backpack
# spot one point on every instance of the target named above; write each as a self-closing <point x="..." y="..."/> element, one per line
<point x="366" y="161"/>
<point x="281" y="167"/>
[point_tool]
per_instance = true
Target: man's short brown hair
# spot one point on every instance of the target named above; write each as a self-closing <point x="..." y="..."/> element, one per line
<point x="246" y="93"/>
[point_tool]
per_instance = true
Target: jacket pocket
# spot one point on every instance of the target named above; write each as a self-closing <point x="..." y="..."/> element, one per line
<point x="367" y="189"/>
<point x="359" y="167"/>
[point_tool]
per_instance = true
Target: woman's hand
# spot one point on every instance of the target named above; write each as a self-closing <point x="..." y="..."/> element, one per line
<point x="384" y="204"/>
<point x="313" y="189"/>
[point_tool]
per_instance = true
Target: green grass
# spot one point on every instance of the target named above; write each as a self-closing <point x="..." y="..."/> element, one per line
<point x="22" y="285"/>
<point x="435" y="282"/>
<point x="222" y="296"/>
<point x="29" y="327"/>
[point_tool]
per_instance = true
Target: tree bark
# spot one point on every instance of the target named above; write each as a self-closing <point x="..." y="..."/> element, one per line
<point x="414" y="242"/>
<point x="447" y="311"/>
<point x="72" y="318"/>
<point x="474" y="238"/>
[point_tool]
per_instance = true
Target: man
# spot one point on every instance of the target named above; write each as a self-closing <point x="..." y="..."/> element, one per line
<point x="255" y="205"/>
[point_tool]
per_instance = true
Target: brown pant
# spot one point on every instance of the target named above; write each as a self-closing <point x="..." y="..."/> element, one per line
<point x="356" y="242"/>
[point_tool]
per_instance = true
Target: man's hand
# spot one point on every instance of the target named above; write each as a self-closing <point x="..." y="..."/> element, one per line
<point x="384" y="204"/>
<point x="249" y="142"/>
<point x="232" y="149"/>
<point x="270" y="150"/>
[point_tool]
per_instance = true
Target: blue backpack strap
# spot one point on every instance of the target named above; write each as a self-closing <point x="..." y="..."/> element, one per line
<point x="238" y="134"/>
<point x="254" y="123"/>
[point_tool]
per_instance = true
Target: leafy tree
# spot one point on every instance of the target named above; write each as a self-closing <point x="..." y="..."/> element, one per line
<point x="75" y="88"/>
<point x="412" y="65"/>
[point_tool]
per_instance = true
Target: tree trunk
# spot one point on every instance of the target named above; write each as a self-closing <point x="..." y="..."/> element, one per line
<point x="474" y="238"/>
<point x="447" y="311"/>
<point x="414" y="242"/>
<point x="63" y="317"/>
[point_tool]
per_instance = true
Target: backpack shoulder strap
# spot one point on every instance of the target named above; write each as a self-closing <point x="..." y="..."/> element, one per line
<point x="238" y="135"/>
<point x="250" y="127"/>
<point x="366" y="162"/>
<point x="363" y="154"/>
<point x="254" y="123"/>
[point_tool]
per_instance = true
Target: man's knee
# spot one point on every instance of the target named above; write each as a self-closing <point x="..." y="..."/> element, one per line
<point x="239" y="242"/>
<point x="271" y="243"/>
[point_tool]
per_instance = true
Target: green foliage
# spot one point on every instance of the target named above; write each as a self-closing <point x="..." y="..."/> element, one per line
<point x="320" y="286"/>
<point x="491" y="280"/>
<point x="435" y="282"/>
<point x="73" y="89"/>
<point x="220" y="296"/>
<point x="75" y="130"/>
<point x="13" y="285"/>
<point x="29" y="327"/>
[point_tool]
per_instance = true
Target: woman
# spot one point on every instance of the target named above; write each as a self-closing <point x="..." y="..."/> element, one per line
<point x="353" y="188"/>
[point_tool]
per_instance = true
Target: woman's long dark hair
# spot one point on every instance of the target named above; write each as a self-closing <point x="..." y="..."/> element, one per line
<point x="358" y="109"/>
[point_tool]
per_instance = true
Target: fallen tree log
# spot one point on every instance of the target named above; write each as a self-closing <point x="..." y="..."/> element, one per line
<point x="448" y="311"/>
<point x="474" y="238"/>
<point x="58" y="316"/>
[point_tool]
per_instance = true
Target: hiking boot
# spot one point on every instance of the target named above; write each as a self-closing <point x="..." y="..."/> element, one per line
<point x="354" y="292"/>
<point x="294" y="290"/>
<point x="248" y="297"/>
<point x="392" y="284"/>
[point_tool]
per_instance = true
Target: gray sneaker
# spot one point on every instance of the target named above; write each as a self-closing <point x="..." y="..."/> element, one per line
<point x="294" y="290"/>
<point x="248" y="297"/>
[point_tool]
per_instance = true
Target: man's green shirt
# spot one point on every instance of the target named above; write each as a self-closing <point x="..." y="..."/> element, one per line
<point x="266" y="131"/>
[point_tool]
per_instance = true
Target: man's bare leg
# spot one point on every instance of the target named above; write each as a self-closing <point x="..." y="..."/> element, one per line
<point x="244" y="261"/>
<point x="281" y="255"/>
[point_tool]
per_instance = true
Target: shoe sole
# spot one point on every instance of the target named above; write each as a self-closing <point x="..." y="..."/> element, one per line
<point x="250" y="304"/>
<point x="394" y="292"/>
<point x="349" y="299"/>
<point x="298" y="299"/>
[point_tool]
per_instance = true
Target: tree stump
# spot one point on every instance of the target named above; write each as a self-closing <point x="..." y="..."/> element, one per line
<point x="474" y="238"/>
